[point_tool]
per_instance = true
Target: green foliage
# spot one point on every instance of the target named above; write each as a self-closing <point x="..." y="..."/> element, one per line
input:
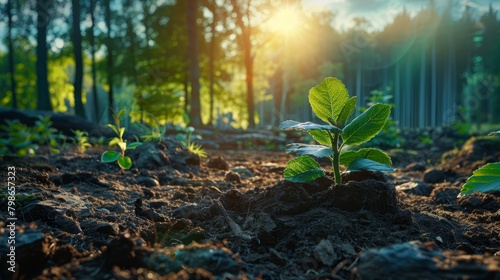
<point x="485" y="179"/>
<point x="390" y="135"/>
<point x="19" y="139"/>
<point x="330" y="102"/>
<point x="23" y="140"/>
<point x="186" y="141"/>
<point x="154" y="133"/>
<point x="81" y="140"/>
<point x="123" y="161"/>
<point x="21" y="198"/>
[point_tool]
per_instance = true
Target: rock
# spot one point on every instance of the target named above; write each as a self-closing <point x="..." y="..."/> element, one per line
<point x="433" y="175"/>
<point x="148" y="182"/>
<point x="218" y="163"/>
<point x="244" y="172"/>
<point x="52" y="213"/>
<point x="417" y="260"/>
<point x="32" y="249"/>
<point x="93" y="226"/>
<point x="414" y="167"/>
<point x="416" y="188"/>
<point x="233" y="177"/>
<point x="215" y="260"/>
<point x="324" y="252"/>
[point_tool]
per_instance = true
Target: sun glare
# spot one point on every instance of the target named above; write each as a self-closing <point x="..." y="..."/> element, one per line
<point x="285" y="20"/>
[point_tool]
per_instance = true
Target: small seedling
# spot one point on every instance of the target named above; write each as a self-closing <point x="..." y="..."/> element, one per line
<point x="187" y="143"/>
<point x="331" y="103"/>
<point x="121" y="159"/>
<point x="81" y="140"/>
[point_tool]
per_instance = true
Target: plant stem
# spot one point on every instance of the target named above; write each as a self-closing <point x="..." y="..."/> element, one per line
<point x="336" y="158"/>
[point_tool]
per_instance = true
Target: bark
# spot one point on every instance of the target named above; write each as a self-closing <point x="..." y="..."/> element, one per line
<point x="246" y="35"/>
<point x="194" y="67"/>
<point x="10" y="45"/>
<point x="421" y="99"/>
<point x="211" y="66"/>
<point x="77" y="50"/>
<point x="93" y="66"/>
<point x="110" y="64"/>
<point x="43" y="18"/>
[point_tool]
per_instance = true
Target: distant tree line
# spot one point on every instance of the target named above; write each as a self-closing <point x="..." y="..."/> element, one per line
<point x="208" y="58"/>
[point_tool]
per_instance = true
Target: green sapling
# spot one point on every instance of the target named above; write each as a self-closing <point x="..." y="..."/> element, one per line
<point x="331" y="103"/>
<point x="121" y="159"/>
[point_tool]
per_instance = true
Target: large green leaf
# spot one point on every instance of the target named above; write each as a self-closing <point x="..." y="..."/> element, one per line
<point x="369" y="153"/>
<point x="365" y="126"/>
<point x="328" y="98"/>
<point x="322" y="136"/>
<point x="307" y="126"/>
<point x="311" y="150"/>
<point x="485" y="179"/>
<point x="303" y="169"/>
<point x="368" y="164"/>
<point x="110" y="156"/>
<point x="347" y="111"/>
<point x="125" y="162"/>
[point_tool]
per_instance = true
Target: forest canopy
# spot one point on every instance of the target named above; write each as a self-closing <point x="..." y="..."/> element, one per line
<point x="247" y="63"/>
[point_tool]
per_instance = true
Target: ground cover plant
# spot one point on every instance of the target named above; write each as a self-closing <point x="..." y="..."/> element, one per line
<point x="331" y="103"/>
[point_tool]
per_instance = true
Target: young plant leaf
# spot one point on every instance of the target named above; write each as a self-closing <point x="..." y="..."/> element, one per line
<point x="328" y="98"/>
<point x="133" y="145"/>
<point x="125" y="162"/>
<point x="303" y="169"/>
<point x="307" y="126"/>
<point x="347" y="111"/>
<point x="369" y="153"/>
<point x="110" y="156"/>
<point x="319" y="151"/>
<point x="368" y="164"/>
<point x="321" y="136"/>
<point x="365" y="126"/>
<point x="485" y="179"/>
<point x="114" y="128"/>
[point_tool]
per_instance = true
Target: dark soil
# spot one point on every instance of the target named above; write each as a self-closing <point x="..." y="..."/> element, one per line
<point x="231" y="216"/>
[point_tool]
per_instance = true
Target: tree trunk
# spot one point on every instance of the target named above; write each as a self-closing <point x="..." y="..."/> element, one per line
<point x="194" y="67"/>
<point x="211" y="66"/>
<point x="249" y="70"/>
<point x="10" y="45"/>
<point x="421" y="97"/>
<point x="43" y="18"/>
<point x="77" y="50"/>
<point x="92" y="54"/>
<point x="246" y="34"/>
<point x="110" y="64"/>
<point x="433" y="87"/>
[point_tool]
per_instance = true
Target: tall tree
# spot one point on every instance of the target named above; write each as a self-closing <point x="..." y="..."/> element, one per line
<point x="11" y="54"/>
<point x="43" y="20"/>
<point x="93" y="62"/>
<point x="110" y="64"/>
<point x="243" y="21"/>
<point x="76" y="38"/>
<point x="194" y="67"/>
